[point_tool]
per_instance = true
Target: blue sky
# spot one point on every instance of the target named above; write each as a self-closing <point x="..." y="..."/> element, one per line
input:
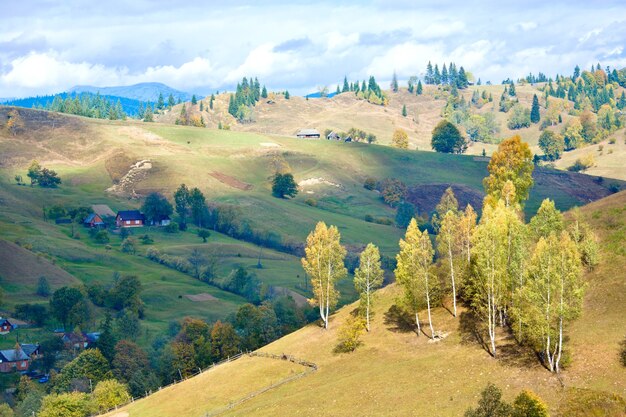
<point x="47" y="46"/>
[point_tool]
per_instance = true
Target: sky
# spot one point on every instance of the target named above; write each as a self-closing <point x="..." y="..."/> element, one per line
<point x="48" y="46"/>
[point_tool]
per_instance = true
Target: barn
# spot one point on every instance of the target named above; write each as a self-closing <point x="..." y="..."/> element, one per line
<point x="129" y="218"/>
<point x="308" y="134"/>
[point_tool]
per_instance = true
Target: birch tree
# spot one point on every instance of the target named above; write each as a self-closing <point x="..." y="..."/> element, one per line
<point x="553" y="294"/>
<point x="324" y="263"/>
<point x="547" y="220"/>
<point x="488" y="285"/>
<point x="448" y="244"/>
<point x="413" y="271"/>
<point x="367" y="278"/>
<point x="466" y="227"/>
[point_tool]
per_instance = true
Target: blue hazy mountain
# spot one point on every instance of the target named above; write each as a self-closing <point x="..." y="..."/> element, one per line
<point x="130" y="106"/>
<point x="146" y="92"/>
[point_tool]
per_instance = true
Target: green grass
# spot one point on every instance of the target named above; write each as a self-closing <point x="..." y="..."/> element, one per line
<point x="189" y="155"/>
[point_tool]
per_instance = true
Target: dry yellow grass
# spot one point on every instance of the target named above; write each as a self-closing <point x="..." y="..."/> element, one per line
<point x="213" y="389"/>
<point x="397" y="373"/>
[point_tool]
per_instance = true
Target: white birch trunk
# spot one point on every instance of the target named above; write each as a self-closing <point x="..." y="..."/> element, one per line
<point x="417" y="321"/>
<point x="430" y="322"/>
<point x="452" y="276"/>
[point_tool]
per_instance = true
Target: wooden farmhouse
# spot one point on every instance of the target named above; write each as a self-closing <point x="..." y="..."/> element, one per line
<point x="93" y="220"/>
<point x="12" y="360"/>
<point x="129" y="218"/>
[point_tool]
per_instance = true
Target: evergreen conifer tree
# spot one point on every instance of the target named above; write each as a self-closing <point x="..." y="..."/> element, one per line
<point x="534" y="112"/>
<point x="346" y="87"/>
<point x="419" y="88"/>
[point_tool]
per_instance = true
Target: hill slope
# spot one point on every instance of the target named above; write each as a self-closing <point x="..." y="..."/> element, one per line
<point x="397" y="373"/>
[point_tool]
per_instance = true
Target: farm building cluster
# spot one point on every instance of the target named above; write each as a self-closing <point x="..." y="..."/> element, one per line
<point x="102" y="216"/>
<point x="22" y="356"/>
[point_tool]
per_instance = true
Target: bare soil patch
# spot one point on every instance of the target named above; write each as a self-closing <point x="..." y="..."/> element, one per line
<point x="231" y="181"/>
<point x="201" y="297"/>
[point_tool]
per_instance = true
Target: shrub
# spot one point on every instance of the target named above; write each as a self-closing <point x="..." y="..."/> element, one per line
<point x="146" y="239"/>
<point x="528" y="404"/>
<point x="311" y="202"/>
<point x="370" y="183"/>
<point x="612" y="141"/>
<point x="490" y="404"/>
<point x="350" y="335"/>
<point x="614" y="188"/>
<point x="369" y="218"/>
<point x="519" y="118"/>
<point x="623" y="352"/>
<point x="393" y="191"/>
<point x="171" y="228"/>
<point x="102" y="236"/>
<point x="129" y="245"/>
<point x="582" y="163"/>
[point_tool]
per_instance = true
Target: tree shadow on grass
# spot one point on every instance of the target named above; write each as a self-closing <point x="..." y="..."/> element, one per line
<point x="399" y="321"/>
<point x="471" y="330"/>
<point x="511" y="353"/>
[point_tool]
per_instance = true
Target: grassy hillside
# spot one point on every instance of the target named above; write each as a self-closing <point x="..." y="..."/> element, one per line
<point x="93" y="157"/>
<point x="395" y="372"/>
<point x="278" y="116"/>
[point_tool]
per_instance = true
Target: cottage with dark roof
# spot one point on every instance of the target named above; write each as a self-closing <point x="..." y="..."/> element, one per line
<point x="13" y="360"/>
<point x="129" y="218"/>
<point x="32" y="350"/>
<point x="5" y="326"/>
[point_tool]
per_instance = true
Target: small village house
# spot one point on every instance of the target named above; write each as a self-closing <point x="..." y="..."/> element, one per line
<point x="103" y="210"/>
<point x="308" y="134"/>
<point x="12" y="360"/>
<point x="93" y="220"/>
<point x="32" y="350"/>
<point x="161" y="221"/>
<point x="75" y="341"/>
<point x="5" y="326"/>
<point x="129" y="218"/>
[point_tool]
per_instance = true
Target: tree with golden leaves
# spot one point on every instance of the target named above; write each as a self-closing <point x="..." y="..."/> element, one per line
<point x="513" y="161"/>
<point x="324" y="264"/>
<point x="413" y="272"/>
<point x="367" y="278"/>
<point x="400" y="139"/>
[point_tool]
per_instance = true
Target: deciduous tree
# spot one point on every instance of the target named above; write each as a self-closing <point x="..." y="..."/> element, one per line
<point x="511" y="162"/>
<point x="400" y="139"/>
<point x="367" y="278"/>
<point x="413" y="271"/>
<point x="446" y="138"/>
<point x="324" y="264"/>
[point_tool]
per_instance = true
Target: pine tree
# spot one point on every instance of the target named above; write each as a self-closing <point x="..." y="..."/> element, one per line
<point x="211" y="101"/>
<point x="194" y="100"/>
<point x="436" y="76"/>
<point x="512" y="92"/>
<point x="462" y="81"/>
<point x="404" y="110"/>
<point x="394" y="83"/>
<point x="287" y="95"/>
<point x="264" y="92"/>
<point x="534" y="111"/>
<point x="201" y="105"/>
<point x="338" y="91"/>
<point x="444" y="75"/>
<point x="428" y="79"/>
<point x="324" y="264"/>
<point x="363" y="86"/>
<point x="160" y="102"/>
<point x="346" y="87"/>
<point x="367" y="278"/>
<point x="170" y="102"/>
<point x="419" y="88"/>
<point x="413" y="271"/>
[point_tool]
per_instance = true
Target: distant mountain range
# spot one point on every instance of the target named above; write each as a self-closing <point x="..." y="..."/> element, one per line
<point x="146" y="92"/>
<point x="130" y="106"/>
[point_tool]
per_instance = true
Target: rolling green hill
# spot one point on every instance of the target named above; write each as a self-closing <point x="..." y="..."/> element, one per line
<point x="396" y="373"/>
<point x="94" y="158"/>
